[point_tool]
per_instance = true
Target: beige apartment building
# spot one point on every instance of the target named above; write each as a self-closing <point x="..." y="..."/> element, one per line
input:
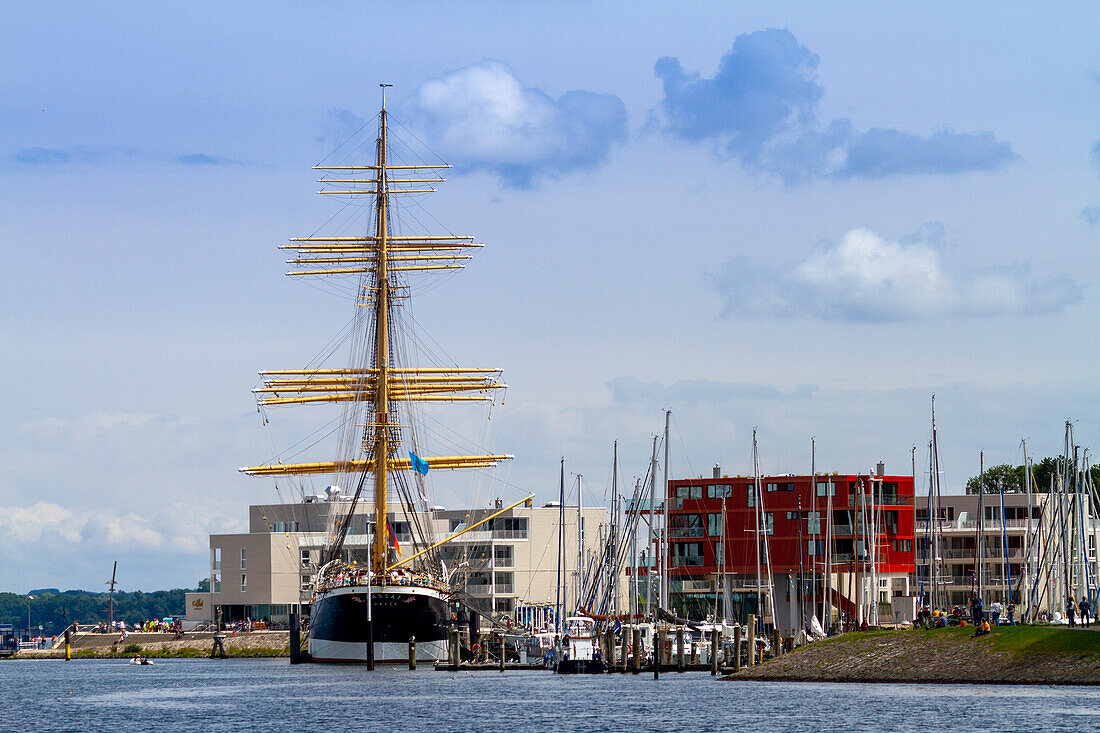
<point x="1019" y="551"/>
<point x="507" y="564"/>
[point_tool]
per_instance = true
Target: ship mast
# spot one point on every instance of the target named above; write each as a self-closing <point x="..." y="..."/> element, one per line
<point x="381" y="261"/>
<point x="381" y="351"/>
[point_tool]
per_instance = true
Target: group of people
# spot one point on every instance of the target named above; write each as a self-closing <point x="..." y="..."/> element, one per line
<point x="160" y="626"/>
<point x="1081" y="609"/>
<point x="996" y="611"/>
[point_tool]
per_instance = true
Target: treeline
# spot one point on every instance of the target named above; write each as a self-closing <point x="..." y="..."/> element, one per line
<point x="1011" y="478"/>
<point x="54" y="610"/>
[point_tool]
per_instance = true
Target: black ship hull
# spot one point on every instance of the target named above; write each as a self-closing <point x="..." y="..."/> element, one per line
<point x="338" y="624"/>
<point x="581" y="666"/>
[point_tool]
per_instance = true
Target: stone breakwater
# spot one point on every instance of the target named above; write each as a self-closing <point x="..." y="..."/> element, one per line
<point x="256" y="643"/>
<point x="1010" y="655"/>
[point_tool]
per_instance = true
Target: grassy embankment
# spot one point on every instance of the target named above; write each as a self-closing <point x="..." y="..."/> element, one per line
<point x="1009" y="655"/>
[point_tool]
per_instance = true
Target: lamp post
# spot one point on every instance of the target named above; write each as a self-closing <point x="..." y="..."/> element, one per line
<point x="29" y="599"/>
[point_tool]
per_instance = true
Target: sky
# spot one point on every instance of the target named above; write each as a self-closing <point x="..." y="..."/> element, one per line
<point x="803" y="219"/>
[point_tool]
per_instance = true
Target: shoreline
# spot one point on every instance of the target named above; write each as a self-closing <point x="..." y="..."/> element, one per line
<point x="1008" y="655"/>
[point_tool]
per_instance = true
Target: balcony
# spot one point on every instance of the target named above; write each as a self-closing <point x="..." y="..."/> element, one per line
<point x="895" y="501"/>
<point x="682" y="532"/>
<point x="504" y="588"/>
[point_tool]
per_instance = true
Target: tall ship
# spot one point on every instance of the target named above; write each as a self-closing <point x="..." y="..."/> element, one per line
<point x="367" y="604"/>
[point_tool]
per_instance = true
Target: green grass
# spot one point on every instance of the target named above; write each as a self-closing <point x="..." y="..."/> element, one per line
<point x="1027" y="640"/>
<point x="1045" y="640"/>
<point x="1023" y="640"/>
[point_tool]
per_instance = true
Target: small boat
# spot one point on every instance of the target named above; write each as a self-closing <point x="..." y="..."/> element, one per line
<point x="141" y="660"/>
<point x="580" y="651"/>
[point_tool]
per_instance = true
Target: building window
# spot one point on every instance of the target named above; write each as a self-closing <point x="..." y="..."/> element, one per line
<point x="793" y="515"/>
<point x="502" y="556"/>
<point x="714" y="525"/>
<point x="813" y="522"/>
<point x="903" y="545"/>
<point x="503" y="583"/>
<point x="305" y="558"/>
<point x="751" y="501"/>
<point x="244" y="584"/>
<point x="719" y="491"/>
<point x="719" y="550"/>
<point x="826" y="488"/>
<point x="769" y="523"/>
<point x="216" y="585"/>
<point x="244" y="559"/>
<point x="773" y="487"/>
<point x="305" y="582"/>
<point x="284" y="527"/>
<point x="687" y="553"/>
<point x="216" y="559"/>
<point x="512" y="528"/>
<point x="503" y="605"/>
<point x="686" y="525"/>
<point x="815" y="548"/>
<point x="689" y="492"/>
<point x="763" y="552"/>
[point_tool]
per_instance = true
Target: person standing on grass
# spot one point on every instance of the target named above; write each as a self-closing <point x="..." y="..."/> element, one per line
<point x="976" y="609"/>
<point x="995" y="611"/>
<point x="1011" y="610"/>
<point x="1085" y="608"/>
<point x="1071" y="607"/>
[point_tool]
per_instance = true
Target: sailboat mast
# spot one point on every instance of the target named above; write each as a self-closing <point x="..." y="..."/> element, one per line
<point x="652" y="566"/>
<point x="613" y="543"/>
<point x="381" y="353"/>
<point x="561" y="548"/>
<point x="580" y="545"/>
<point x="756" y="506"/>
<point x="664" y="523"/>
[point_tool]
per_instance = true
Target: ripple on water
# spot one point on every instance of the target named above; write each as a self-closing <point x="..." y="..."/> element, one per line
<point x="270" y="695"/>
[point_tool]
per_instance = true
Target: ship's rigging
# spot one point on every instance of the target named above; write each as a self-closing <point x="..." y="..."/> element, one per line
<point x="379" y="451"/>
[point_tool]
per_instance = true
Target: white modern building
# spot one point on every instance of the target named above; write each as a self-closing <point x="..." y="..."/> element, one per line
<point x="507" y="563"/>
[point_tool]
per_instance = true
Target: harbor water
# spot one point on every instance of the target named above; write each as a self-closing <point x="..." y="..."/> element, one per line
<point x="270" y="695"/>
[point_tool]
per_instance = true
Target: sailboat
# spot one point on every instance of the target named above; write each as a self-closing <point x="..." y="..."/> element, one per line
<point x="366" y="607"/>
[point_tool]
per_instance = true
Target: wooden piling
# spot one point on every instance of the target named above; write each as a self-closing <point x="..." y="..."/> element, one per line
<point x="624" y="649"/>
<point x="715" y="645"/>
<point x="610" y="637"/>
<point x="777" y="643"/>
<point x="412" y="652"/>
<point x="681" y="661"/>
<point x="503" y="649"/>
<point x="636" y="661"/>
<point x="295" y="640"/>
<point x="752" y="639"/>
<point x="454" y="652"/>
<point x="662" y="638"/>
<point x="736" y="648"/>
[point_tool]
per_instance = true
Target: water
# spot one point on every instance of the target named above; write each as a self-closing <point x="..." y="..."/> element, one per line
<point x="269" y="695"/>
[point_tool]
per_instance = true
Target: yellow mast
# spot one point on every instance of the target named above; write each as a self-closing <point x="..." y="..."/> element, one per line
<point x="381" y="355"/>
<point x="377" y="258"/>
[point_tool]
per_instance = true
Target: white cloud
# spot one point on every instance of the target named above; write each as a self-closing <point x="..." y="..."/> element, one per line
<point x="866" y="277"/>
<point x="482" y="117"/>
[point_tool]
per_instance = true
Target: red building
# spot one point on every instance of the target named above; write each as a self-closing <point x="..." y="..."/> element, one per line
<point x="795" y="522"/>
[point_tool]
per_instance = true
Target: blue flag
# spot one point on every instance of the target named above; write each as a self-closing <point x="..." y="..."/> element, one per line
<point x="418" y="464"/>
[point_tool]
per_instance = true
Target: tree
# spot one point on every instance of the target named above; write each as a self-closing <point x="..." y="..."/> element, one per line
<point x="1045" y="470"/>
<point x="203" y="586"/>
<point x="1010" y="478"/>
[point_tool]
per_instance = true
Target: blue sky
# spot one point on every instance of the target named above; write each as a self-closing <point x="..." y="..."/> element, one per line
<point x="776" y="215"/>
